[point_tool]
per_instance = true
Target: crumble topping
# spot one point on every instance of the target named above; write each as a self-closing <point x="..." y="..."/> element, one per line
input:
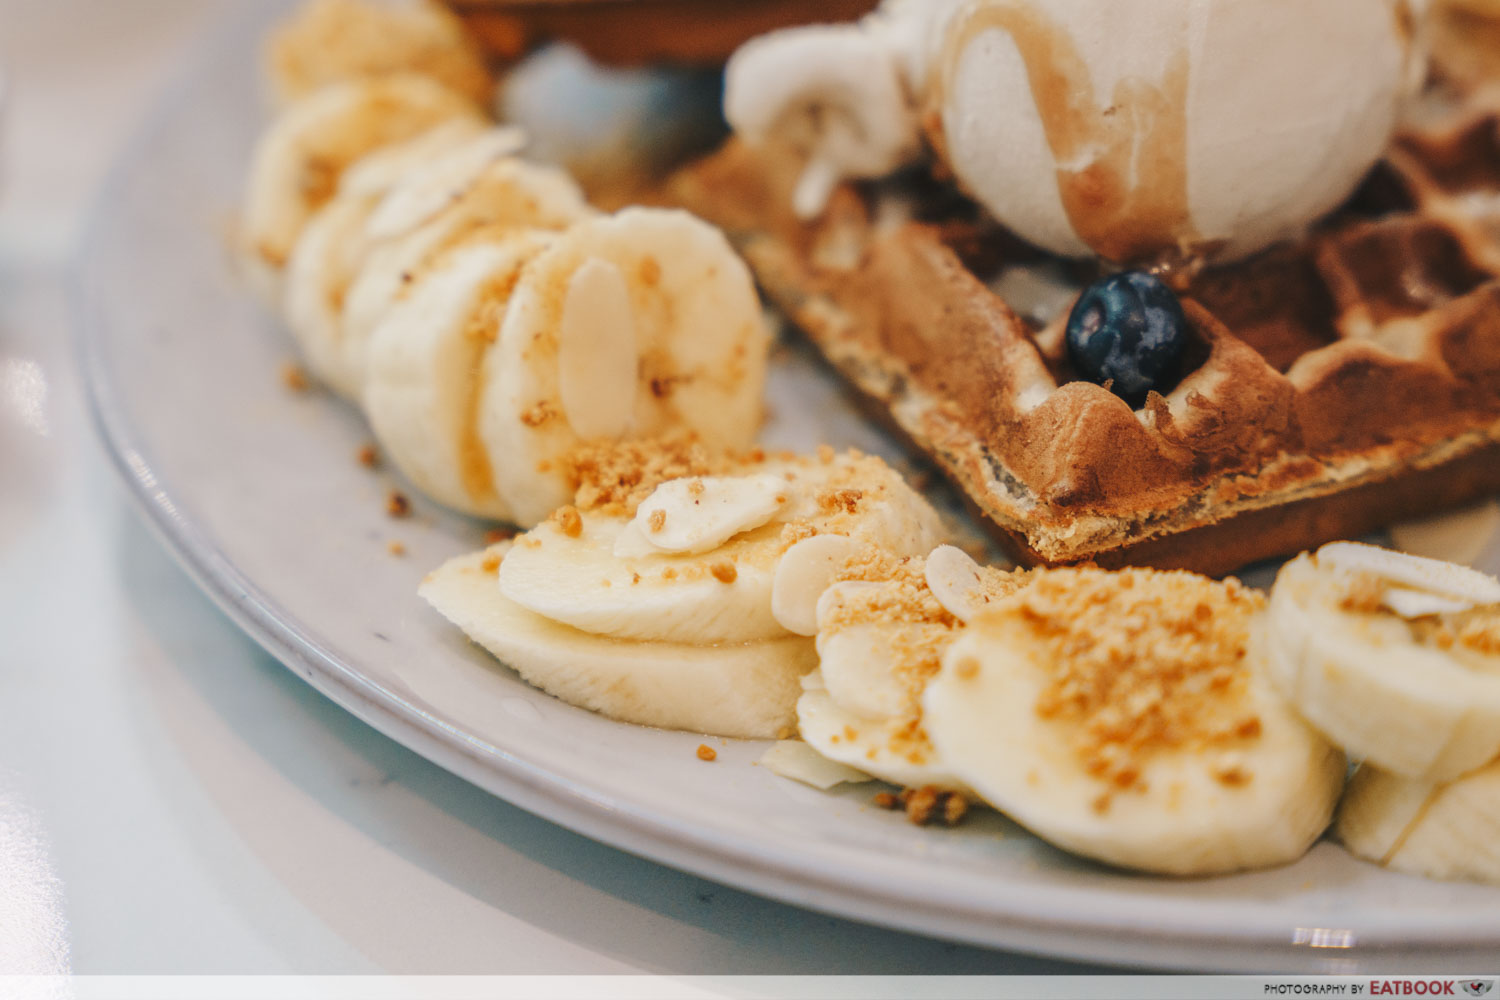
<point x="706" y="752"/>
<point x="1363" y="594"/>
<point x="923" y="805"/>
<point x="650" y="271"/>
<point x="904" y="600"/>
<point x="368" y="456"/>
<point x="1477" y="630"/>
<point x="724" y="571"/>
<point x="539" y="414"/>
<point x="395" y="548"/>
<point x="569" y="520"/>
<point x="397" y="504"/>
<point x="294" y="377"/>
<point x="1141" y="661"/>
<point x="832" y="501"/>
<point x="919" y="631"/>
<point x="614" y="477"/>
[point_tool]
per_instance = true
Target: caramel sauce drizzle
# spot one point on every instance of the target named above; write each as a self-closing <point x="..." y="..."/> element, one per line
<point x="1122" y="166"/>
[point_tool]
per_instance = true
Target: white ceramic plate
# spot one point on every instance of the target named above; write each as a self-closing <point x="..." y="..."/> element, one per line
<point x="257" y="491"/>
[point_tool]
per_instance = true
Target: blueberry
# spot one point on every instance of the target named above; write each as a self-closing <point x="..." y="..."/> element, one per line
<point x="1128" y="329"/>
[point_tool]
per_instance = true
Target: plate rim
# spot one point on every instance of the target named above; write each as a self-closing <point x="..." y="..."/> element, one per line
<point x="593" y="812"/>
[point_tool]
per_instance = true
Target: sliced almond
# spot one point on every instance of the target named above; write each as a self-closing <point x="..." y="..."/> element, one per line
<point x="1469" y="588"/>
<point x="1419" y="604"/>
<point x="701" y="513"/>
<point x="956" y="581"/>
<point x="597" y="358"/>
<point x="804" y="573"/>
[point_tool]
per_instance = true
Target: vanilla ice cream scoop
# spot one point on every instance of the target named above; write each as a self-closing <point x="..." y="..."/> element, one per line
<point x="1141" y="129"/>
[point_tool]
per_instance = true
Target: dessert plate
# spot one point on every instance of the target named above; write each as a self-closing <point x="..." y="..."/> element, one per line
<point x="257" y="491"/>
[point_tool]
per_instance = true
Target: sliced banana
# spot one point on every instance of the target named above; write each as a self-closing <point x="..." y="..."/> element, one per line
<point x="881" y="638"/>
<point x="469" y="196"/>
<point x="881" y="747"/>
<point x="421" y="391"/>
<point x="424" y="192"/>
<point x="298" y="163"/>
<point x="332" y="248"/>
<point x="700" y="342"/>
<point x="747" y="690"/>
<point x="1443" y="831"/>
<point x="879" y="642"/>
<point x="1121" y="716"/>
<point x="834" y="93"/>
<point x="568" y="569"/>
<point x="329" y="41"/>
<point x="720" y="596"/>
<point x="1395" y="658"/>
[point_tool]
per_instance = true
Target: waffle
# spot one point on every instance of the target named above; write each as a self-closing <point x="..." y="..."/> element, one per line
<point x="1334" y="385"/>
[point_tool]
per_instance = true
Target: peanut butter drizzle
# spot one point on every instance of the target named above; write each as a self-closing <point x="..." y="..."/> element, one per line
<point x="1129" y="200"/>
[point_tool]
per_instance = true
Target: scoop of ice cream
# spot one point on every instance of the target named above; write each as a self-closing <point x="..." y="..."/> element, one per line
<point x="1127" y="129"/>
<point x="1137" y="128"/>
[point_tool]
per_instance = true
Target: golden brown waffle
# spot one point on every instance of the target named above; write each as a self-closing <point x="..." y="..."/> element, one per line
<point x="1334" y="385"/>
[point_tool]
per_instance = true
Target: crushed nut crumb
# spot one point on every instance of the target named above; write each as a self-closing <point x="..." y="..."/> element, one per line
<point x="569" y="520"/>
<point x="368" y="456"/>
<point x="650" y="272"/>
<point x="955" y="808"/>
<point x="706" y="752"/>
<point x="1137" y="666"/>
<point x="491" y="563"/>
<point x="924" y="804"/>
<point x="397" y="505"/>
<point x="886" y="800"/>
<point x="539" y="414"/>
<point x="395" y="548"/>
<point x="1477" y="631"/>
<point x="614" y="477"/>
<point x="835" y="500"/>
<point x="294" y="377"/>
<point x="1363" y="594"/>
<point x="657" y="521"/>
<point x="724" y="571"/>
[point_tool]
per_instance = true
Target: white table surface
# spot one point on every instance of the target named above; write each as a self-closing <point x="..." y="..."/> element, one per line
<point x="171" y="799"/>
